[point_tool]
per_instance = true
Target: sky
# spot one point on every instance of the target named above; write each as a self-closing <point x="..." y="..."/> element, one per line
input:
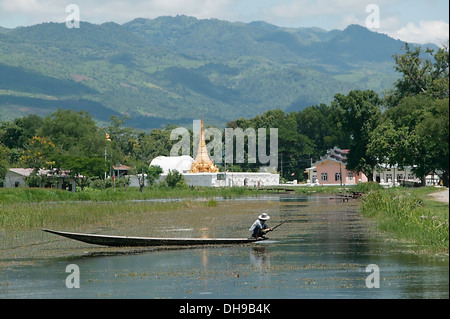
<point x="416" y="21"/>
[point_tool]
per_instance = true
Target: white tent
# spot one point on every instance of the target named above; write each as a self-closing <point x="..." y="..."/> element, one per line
<point x="180" y="163"/>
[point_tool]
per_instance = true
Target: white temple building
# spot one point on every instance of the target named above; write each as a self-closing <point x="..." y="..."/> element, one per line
<point x="221" y="179"/>
<point x="203" y="172"/>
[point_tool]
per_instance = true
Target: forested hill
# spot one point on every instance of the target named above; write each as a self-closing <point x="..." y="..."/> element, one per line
<point x="174" y="69"/>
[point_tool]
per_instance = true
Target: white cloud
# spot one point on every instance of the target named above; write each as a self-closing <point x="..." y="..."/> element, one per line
<point x="25" y="6"/>
<point x="436" y="32"/>
<point x="336" y="13"/>
<point x="99" y="11"/>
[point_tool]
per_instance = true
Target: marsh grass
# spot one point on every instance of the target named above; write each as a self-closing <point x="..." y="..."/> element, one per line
<point x="334" y="189"/>
<point x="32" y="195"/>
<point x="32" y="216"/>
<point x="34" y="208"/>
<point x="409" y="215"/>
<point x="212" y="203"/>
<point x="27" y="195"/>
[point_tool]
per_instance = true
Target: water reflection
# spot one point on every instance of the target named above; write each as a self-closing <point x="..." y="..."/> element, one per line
<point x="259" y="257"/>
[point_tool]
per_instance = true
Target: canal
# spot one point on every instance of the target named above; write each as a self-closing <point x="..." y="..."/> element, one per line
<point x="325" y="249"/>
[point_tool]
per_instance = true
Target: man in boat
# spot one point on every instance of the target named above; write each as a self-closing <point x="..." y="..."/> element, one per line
<point x="259" y="227"/>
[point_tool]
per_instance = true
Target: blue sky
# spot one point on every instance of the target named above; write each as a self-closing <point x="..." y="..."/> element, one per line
<point x="419" y="21"/>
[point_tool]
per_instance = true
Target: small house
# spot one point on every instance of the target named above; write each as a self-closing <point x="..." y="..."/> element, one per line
<point x="121" y="170"/>
<point x="331" y="170"/>
<point x="17" y="177"/>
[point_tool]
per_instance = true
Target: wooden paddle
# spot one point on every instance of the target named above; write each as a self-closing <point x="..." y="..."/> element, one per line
<point x="272" y="228"/>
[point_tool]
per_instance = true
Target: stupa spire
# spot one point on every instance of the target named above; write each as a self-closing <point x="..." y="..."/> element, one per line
<point x="202" y="162"/>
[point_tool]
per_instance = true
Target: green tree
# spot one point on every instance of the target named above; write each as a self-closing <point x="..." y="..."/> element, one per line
<point x="174" y="179"/>
<point x="318" y="124"/>
<point x="422" y="73"/>
<point x="294" y="148"/>
<point x="82" y="168"/>
<point x="74" y="133"/>
<point x="415" y="133"/>
<point x="4" y="156"/>
<point x="10" y="134"/>
<point x="431" y="142"/>
<point x="153" y="174"/>
<point x="389" y="144"/>
<point x="17" y="134"/>
<point x="38" y="152"/>
<point x="124" y="143"/>
<point x="158" y="142"/>
<point x="418" y="109"/>
<point x="29" y="126"/>
<point x="358" y="114"/>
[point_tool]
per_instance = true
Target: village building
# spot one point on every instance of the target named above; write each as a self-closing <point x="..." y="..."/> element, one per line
<point x="121" y="170"/>
<point x="394" y="175"/>
<point x="17" y="177"/>
<point x="331" y="170"/>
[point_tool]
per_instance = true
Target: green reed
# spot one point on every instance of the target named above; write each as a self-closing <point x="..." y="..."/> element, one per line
<point x="24" y="195"/>
<point x="409" y="215"/>
<point x="32" y="208"/>
<point x="23" y="216"/>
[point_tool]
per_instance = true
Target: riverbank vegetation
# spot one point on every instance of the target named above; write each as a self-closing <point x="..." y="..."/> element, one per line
<point x="35" y="195"/>
<point x="410" y="215"/>
<point x="83" y="215"/>
<point x="32" y="208"/>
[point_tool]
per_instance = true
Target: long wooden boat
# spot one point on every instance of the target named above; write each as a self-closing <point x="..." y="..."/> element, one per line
<point x="126" y="241"/>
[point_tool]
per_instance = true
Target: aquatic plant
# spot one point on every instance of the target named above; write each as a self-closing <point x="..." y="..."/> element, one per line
<point x="409" y="217"/>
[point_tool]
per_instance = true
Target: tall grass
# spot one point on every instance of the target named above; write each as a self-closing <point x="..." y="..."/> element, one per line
<point x="33" y="208"/>
<point x="361" y="187"/>
<point x="409" y="216"/>
<point x="30" y="216"/>
<point x="28" y="195"/>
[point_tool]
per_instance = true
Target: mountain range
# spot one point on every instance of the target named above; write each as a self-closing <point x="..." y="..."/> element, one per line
<point x="175" y="69"/>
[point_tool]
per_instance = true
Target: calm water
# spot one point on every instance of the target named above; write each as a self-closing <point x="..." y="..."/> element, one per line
<point x="322" y="252"/>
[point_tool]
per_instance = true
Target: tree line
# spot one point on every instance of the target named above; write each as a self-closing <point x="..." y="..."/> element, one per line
<point x="407" y="126"/>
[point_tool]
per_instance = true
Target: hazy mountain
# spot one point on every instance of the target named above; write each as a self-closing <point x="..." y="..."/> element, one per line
<point x="174" y="69"/>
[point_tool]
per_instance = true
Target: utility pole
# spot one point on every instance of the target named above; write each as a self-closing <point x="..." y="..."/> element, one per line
<point x="281" y="160"/>
<point x="105" y="163"/>
<point x="142" y="181"/>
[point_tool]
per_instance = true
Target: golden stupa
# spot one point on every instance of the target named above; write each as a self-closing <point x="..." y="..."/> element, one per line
<point x="202" y="163"/>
